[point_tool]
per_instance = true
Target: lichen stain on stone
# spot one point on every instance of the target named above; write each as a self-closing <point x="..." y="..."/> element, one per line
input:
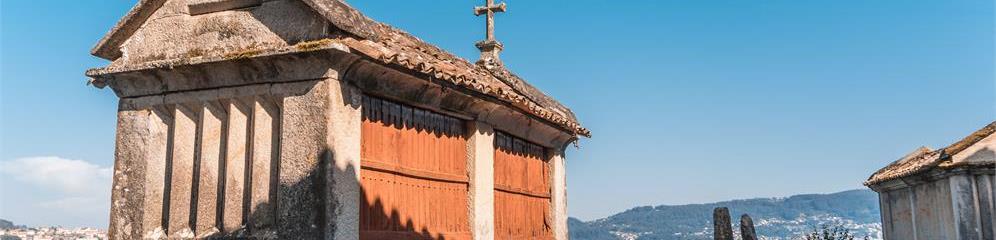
<point x="312" y="45"/>
<point x="196" y="52"/>
<point x="248" y="52"/>
<point x="226" y="28"/>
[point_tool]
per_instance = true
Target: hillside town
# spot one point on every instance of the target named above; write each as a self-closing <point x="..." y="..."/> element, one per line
<point x="12" y="232"/>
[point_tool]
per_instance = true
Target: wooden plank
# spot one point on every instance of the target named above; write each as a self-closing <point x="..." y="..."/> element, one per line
<point x="413" y="173"/>
<point x="522" y="189"/>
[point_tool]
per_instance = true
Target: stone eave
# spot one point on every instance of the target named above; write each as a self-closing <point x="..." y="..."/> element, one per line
<point x="365" y="48"/>
<point x="100" y="75"/>
<point x="930" y="175"/>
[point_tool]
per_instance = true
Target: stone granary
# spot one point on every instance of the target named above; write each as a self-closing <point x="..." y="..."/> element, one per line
<point x="940" y="194"/>
<point x="304" y="119"/>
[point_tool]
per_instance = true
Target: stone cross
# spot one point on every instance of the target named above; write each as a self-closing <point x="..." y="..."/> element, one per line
<point x="490" y="9"/>
<point x="747" y="228"/>
<point x="489" y="46"/>
<point x="722" y="228"/>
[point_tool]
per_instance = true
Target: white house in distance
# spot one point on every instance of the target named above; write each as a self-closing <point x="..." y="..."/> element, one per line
<point x="940" y="194"/>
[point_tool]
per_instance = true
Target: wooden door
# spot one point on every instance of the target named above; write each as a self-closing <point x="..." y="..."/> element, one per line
<point x="522" y="189"/>
<point x="413" y="174"/>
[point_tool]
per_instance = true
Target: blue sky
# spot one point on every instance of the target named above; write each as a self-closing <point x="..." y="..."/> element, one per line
<point x="689" y="101"/>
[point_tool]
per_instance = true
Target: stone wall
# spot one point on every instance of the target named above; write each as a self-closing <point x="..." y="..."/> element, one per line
<point x="241" y="161"/>
<point x="178" y="31"/>
<point x="955" y="206"/>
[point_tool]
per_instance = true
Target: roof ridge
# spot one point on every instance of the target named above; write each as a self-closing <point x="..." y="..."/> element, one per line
<point x="967" y="141"/>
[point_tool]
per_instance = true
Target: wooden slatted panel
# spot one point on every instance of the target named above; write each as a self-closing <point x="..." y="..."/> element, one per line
<point x="413" y="174"/>
<point x="522" y="189"/>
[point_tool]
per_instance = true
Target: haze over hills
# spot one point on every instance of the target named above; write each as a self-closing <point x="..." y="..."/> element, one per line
<point x="774" y="218"/>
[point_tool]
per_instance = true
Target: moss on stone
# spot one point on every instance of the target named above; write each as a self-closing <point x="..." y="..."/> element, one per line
<point x="312" y="45"/>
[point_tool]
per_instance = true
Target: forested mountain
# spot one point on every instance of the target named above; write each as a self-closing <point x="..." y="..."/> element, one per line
<point x="775" y="218"/>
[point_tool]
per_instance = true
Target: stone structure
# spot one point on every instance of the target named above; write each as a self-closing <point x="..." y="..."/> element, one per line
<point x="304" y="119"/>
<point x="721" y="225"/>
<point x="940" y="194"/>
<point x="747" y="228"/>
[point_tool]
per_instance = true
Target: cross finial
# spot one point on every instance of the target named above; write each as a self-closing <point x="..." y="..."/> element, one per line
<point x="489" y="46"/>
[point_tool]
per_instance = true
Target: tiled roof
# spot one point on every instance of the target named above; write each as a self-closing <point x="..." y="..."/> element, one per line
<point x="391" y="46"/>
<point x="924" y="159"/>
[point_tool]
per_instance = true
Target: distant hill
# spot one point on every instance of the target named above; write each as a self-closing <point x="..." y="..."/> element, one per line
<point x="775" y="218"/>
<point x="4" y="224"/>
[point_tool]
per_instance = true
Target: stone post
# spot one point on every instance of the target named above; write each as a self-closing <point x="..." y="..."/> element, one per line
<point x="963" y="200"/>
<point x="721" y="224"/>
<point x="480" y="164"/>
<point x="559" y="194"/>
<point x="344" y="173"/>
<point x="318" y="194"/>
<point x="137" y="192"/>
<point x="747" y="228"/>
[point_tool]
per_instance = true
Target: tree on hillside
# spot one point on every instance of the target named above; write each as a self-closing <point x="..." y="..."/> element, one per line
<point x="830" y="231"/>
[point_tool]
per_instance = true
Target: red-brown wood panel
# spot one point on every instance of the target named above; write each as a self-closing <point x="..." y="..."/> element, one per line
<point x="413" y="173"/>
<point x="522" y="189"/>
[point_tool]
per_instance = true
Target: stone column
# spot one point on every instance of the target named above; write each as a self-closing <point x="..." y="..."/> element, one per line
<point x="480" y="164"/>
<point x="558" y="173"/>
<point x="344" y="174"/>
<point x="139" y="162"/>
<point x="180" y="175"/>
<point x="207" y="169"/>
<point x="264" y="120"/>
<point x="722" y="228"/>
<point x="303" y="152"/>
<point x="236" y="158"/>
<point x="319" y="191"/>
<point x="965" y="211"/>
<point x="747" y="228"/>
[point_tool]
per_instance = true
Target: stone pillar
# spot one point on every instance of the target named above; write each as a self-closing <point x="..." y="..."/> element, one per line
<point x="480" y="164"/>
<point x="316" y="195"/>
<point x="558" y="197"/>
<point x="722" y="228"/>
<point x="343" y="179"/>
<point x="137" y="192"/>
<point x="180" y="175"/>
<point x="207" y="169"/>
<point x="747" y="228"/>
<point x="236" y="158"/>
<point x="965" y="211"/>
<point x="264" y="118"/>
<point x="985" y="195"/>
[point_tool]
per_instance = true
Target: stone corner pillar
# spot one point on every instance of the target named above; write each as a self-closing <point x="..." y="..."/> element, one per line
<point x="319" y="192"/>
<point x="137" y="188"/>
<point x="480" y="165"/>
<point x="344" y="137"/>
<point x="963" y="203"/>
<point x="558" y="197"/>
